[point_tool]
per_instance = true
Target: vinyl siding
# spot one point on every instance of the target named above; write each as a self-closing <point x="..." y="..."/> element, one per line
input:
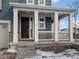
<point x="22" y="1"/>
<point x="48" y="2"/>
<point x="17" y="1"/>
<point x="36" y="2"/>
<point x="0" y="4"/>
<point x="6" y="12"/>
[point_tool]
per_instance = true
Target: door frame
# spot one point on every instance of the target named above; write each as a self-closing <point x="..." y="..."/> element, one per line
<point x="29" y="28"/>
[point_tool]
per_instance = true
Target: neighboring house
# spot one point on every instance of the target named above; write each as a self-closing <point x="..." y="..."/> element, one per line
<point x="35" y="20"/>
<point x="75" y="31"/>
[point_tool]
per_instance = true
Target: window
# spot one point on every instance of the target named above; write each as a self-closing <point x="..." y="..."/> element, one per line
<point x="41" y="2"/>
<point x="42" y="23"/>
<point x="30" y="2"/>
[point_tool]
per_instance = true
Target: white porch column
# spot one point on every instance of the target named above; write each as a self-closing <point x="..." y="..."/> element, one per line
<point x="15" y="25"/>
<point x="56" y="26"/>
<point x="36" y="26"/>
<point x="71" y="27"/>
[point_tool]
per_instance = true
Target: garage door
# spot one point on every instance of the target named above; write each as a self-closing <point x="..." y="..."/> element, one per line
<point x="4" y="36"/>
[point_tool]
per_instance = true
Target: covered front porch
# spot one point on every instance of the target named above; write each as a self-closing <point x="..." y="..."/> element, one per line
<point x="26" y="25"/>
<point x="41" y="24"/>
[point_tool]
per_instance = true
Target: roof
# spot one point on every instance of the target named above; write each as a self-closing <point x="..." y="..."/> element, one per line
<point x="50" y="8"/>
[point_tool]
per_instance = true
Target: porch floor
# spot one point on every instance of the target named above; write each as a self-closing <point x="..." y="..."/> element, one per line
<point x="32" y="43"/>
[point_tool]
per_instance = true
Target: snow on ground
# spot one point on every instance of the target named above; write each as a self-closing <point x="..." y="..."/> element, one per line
<point x="11" y="50"/>
<point x="68" y="54"/>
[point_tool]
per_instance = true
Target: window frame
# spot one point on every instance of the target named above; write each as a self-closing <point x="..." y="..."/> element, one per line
<point x="41" y="4"/>
<point x="1" y="4"/>
<point x="30" y="3"/>
<point x="44" y="22"/>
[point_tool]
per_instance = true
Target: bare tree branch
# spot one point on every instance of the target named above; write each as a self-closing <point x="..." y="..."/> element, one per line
<point x="75" y="5"/>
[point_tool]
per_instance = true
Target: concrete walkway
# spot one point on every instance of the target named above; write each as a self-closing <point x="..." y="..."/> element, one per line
<point x="25" y="52"/>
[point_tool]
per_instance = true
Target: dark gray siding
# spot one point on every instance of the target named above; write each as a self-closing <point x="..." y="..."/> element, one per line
<point x="22" y="1"/>
<point x="16" y="1"/>
<point x="36" y="2"/>
<point x="48" y="24"/>
<point x="6" y="12"/>
<point x="48" y="2"/>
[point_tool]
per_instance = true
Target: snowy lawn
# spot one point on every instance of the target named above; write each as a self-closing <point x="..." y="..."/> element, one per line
<point x="68" y="54"/>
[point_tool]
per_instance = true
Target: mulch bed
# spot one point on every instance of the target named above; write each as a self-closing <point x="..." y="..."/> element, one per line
<point x="58" y="48"/>
<point x="8" y="55"/>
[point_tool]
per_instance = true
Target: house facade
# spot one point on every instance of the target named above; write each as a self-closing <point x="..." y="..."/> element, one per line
<point x="36" y="20"/>
<point x="76" y="31"/>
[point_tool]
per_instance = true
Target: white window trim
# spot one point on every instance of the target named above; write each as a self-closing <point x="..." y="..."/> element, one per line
<point x="0" y="4"/>
<point x="30" y="3"/>
<point x="42" y="22"/>
<point x="41" y="4"/>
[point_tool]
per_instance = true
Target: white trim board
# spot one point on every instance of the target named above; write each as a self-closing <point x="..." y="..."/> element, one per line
<point x="49" y="8"/>
<point x="28" y="3"/>
<point x="0" y="4"/>
<point x="8" y="22"/>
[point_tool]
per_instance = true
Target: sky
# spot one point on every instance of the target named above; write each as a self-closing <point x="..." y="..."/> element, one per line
<point x="63" y="4"/>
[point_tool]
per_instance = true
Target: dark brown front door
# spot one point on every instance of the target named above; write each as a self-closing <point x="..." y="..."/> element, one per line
<point x="24" y="27"/>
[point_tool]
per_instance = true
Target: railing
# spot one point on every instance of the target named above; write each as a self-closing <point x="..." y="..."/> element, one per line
<point x="46" y="35"/>
<point x="64" y="36"/>
<point x="49" y="35"/>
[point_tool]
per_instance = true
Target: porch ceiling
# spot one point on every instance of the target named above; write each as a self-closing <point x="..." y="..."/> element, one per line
<point x="47" y="8"/>
<point x="62" y="16"/>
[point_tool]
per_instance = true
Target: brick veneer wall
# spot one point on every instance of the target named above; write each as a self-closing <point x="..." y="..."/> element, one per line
<point x="11" y="36"/>
<point x="7" y="55"/>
